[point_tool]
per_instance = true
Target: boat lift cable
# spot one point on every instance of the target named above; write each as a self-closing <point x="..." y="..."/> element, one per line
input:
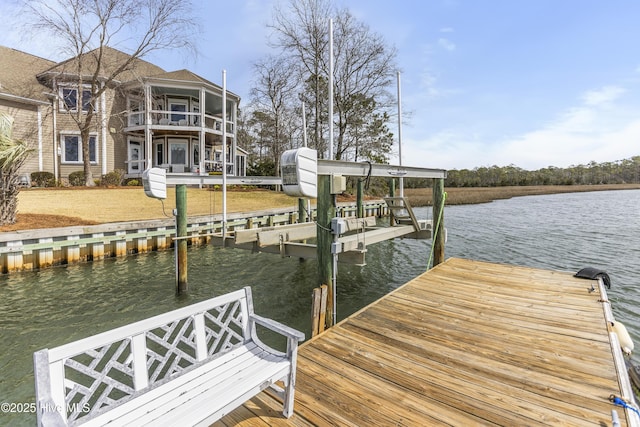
<point x="163" y="211"/>
<point x="367" y="180"/>
<point x="435" y="229"/>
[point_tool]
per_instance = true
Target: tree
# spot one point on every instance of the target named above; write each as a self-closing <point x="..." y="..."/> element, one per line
<point x="272" y="97"/>
<point x="88" y="28"/>
<point x="363" y="69"/>
<point x="303" y="37"/>
<point x="13" y="153"/>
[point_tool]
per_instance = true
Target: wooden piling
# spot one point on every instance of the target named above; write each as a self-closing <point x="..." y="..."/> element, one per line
<point x="45" y="256"/>
<point x="326" y="210"/>
<point x="181" y="234"/>
<point x="302" y="210"/>
<point x="319" y="307"/>
<point x="438" y="221"/>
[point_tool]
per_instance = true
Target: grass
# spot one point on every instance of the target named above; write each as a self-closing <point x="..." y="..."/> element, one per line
<point x="473" y="195"/>
<point x="47" y="208"/>
<point x="44" y="208"/>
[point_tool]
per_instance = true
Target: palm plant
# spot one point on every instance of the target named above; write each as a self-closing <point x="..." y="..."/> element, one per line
<point x="13" y="153"/>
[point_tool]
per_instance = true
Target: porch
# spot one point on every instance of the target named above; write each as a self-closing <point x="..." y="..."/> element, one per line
<point x="177" y="121"/>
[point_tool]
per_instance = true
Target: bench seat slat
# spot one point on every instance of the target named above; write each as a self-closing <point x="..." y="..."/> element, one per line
<point x="225" y="395"/>
<point x="213" y="380"/>
<point x="150" y="396"/>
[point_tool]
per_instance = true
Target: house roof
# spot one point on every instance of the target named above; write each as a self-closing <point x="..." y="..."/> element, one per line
<point x="110" y="61"/>
<point x="18" y="76"/>
<point x="28" y="78"/>
<point x="187" y="77"/>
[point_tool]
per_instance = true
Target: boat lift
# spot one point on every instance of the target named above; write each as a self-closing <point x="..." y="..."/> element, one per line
<point x="355" y="233"/>
<point x="338" y="239"/>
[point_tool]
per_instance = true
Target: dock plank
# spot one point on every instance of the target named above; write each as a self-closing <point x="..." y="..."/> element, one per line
<point x="466" y="343"/>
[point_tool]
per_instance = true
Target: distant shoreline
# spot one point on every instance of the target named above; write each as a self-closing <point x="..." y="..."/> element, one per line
<point x="42" y="208"/>
<point x="475" y="195"/>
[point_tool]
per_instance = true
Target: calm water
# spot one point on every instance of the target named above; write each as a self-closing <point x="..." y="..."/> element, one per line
<point x="561" y="232"/>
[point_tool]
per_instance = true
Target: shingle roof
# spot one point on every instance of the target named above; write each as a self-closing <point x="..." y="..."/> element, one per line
<point x="187" y="76"/>
<point x="18" y="74"/>
<point x="111" y="60"/>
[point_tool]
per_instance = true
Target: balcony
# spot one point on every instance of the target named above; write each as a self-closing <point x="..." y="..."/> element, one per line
<point x="172" y="121"/>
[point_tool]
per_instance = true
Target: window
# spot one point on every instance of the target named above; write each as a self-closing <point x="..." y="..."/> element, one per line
<point x="69" y="98"/>
<point x="158" y="148"/>
<point x="72" y="149"/>
<point x="177" y="106"/>
<point x="177" y="152"/>
<point x="136" y="112"/>
<point x="195" y="109"/>
<point x="196" y="154"/>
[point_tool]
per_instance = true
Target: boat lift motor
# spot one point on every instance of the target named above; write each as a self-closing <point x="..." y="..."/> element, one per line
<point x="299" y="171"/>
<point x="154" y="182"/>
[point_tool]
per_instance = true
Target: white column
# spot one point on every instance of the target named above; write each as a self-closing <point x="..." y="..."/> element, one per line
<point x="202" y="134"/>
<point x="331" y="157"/>
<point x="40" y="154"/>
<point x="400" y="135"/>
<point x="103" y="126"/>
<point x="148" y="146"/>
<point x="224" y="153"/>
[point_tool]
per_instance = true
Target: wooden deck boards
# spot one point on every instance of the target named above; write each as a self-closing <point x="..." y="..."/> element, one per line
<point x="467" y="343"/>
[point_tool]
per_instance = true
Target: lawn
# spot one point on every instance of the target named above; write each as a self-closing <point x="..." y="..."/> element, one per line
<point x="59" y="207"/>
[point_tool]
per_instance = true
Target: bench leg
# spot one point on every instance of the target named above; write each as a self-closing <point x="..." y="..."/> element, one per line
<point x="289" y="392"/>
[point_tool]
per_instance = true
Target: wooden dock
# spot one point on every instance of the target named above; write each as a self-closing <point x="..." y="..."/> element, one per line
<point x="466" y="343"/>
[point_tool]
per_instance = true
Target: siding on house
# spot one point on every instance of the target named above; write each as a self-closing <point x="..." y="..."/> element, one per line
<point x="26" y="100"/>
<point x="30" y="91"/>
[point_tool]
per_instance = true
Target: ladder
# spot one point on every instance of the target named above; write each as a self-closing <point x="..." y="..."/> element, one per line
<point x="401" y="211"/>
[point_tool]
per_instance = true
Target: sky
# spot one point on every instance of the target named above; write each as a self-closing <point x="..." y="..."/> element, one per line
<point x="530" y="83"/>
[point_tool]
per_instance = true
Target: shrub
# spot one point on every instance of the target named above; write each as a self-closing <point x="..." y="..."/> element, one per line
<point x="113" y="178"/>
<point x="133" y="183"/>
<point x="76" y="178"/>
<point x="43" y="179"/>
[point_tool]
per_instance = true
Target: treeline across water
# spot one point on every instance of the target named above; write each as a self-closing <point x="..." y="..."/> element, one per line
<point x="625" y="171"/>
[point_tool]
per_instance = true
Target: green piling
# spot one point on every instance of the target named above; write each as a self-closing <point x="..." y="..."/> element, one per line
<point x="326" y="210"/>
<point x="438" y="221"/>
<point x="181" y="234"/>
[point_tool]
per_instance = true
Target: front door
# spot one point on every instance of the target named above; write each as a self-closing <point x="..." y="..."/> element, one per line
<point x="136" y="158"/>
<point x="178" y="155"/>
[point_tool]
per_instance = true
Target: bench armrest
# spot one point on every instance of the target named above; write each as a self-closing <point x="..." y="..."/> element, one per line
<point x="277" y="327"/>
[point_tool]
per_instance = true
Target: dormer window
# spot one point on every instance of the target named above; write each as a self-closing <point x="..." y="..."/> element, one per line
<point x="69" y="100"/>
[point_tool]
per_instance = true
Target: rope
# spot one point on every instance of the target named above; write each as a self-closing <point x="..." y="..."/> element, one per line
<point x="433" y="240"/>
<point x="620" y="402"/>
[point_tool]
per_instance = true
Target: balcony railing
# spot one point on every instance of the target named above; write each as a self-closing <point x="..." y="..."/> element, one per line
<point x="173" y="118"/>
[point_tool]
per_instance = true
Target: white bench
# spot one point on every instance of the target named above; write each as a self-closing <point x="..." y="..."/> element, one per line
<point x="190" y="366"/>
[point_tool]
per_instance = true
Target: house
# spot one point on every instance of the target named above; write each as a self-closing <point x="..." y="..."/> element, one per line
<point x="146" y="118"/>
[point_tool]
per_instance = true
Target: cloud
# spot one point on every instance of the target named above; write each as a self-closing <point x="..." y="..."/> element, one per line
<point x="446" y="44"/>
<point x="602" y="96"/>
<point x="597" y="129"/>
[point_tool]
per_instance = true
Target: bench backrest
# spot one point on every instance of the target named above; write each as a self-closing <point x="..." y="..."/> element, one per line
<point x="90" y="376"/>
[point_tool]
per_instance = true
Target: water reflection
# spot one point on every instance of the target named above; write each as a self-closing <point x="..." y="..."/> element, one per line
<point x="565" y="232"/>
